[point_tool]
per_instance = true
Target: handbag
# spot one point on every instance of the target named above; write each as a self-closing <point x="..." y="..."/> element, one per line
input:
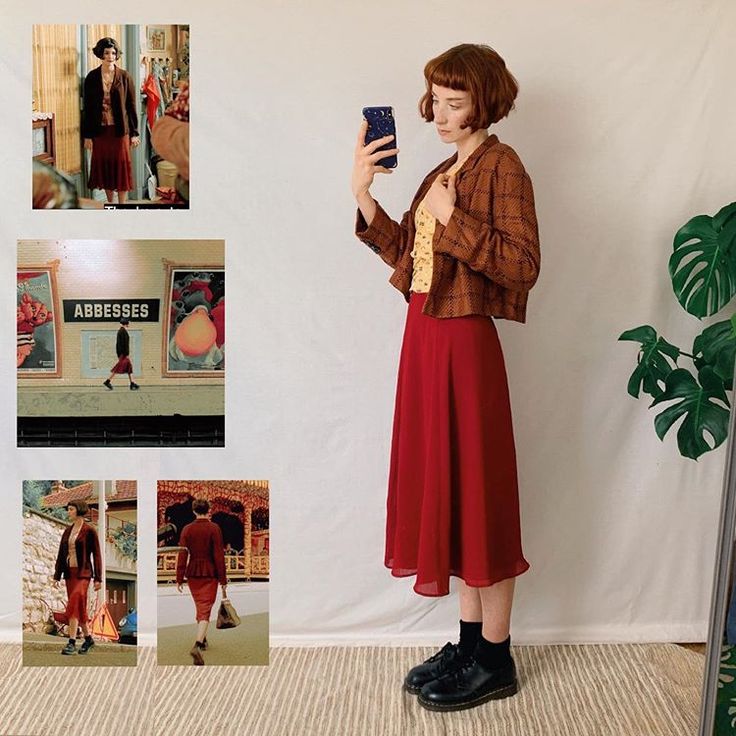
<point x="227" y="616"/>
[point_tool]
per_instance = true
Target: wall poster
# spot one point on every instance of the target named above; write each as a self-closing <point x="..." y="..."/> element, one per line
<point x="38" y="326"/>
<point x="194" y="321"/>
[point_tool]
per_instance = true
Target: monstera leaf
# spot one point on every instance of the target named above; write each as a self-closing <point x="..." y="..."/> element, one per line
<point x="716" y="347"/>
<point x="703" y="266"/>
<point x="699" y="405"/>
<point x="653" y="366"/>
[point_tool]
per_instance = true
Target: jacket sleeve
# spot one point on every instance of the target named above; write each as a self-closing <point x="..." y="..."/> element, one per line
<point x="384" y="236"/>
<point x="96" y="555"/>
<point x="130" y="107"/>
<point x="219" y="555"/>
<point x="181" y="560"/>
<point x="505" y="247"/>
<point x="59" y="568"/>
<point x="87" y="123"/>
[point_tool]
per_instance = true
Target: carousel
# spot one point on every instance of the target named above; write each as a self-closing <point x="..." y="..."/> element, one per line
<point x="239" y="508"/>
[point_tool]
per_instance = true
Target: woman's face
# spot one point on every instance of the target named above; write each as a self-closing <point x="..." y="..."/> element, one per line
<point x="109" y="55"/>
<point x="451" y="108"/>
<point x="71" y="512"/>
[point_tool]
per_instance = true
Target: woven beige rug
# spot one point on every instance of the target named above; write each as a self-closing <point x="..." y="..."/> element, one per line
<point x="601" y="690"/>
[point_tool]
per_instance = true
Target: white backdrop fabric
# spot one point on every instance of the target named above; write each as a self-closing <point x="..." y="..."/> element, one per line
<point x="625" y="123"/>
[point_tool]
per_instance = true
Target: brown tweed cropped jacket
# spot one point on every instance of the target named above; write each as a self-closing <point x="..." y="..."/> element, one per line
<point x="486" y="259"/>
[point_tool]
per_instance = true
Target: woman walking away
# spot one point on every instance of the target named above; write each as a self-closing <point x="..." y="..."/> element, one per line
<point x="202" y="563"/>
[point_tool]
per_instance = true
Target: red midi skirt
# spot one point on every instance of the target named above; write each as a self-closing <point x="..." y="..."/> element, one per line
<point x="204" y="592"/>
<point x="111" y="167"/>
<point x="453" y="503"/>
<point x="123" y="365"/>
<point x="76" y="593"/>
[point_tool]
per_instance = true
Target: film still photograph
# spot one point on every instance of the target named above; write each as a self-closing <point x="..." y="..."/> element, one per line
<point x="213" y="572"/>
<point x="80" y="552"/>
<point x="121" y="343"/>
<point x="110" y="116"/>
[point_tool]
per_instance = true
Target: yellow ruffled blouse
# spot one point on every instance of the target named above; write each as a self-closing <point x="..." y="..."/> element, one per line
<point x="422" y="253"/>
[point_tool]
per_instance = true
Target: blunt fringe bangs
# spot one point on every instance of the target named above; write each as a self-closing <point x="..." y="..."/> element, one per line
<point x="81" y="507"/>
<point x="106" y="43"/>
<point x="479" y="70"/>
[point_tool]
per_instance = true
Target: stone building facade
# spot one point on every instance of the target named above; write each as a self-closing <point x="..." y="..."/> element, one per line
<point x="41" y="536"/>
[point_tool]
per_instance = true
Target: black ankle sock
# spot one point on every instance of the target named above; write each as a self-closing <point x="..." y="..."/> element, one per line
<point x="88" y="637"/>
<point x="469" y="635"/>
<point x="198" y="644"/>
<point x="491" y="655"/>
<point x="73" y="642"/>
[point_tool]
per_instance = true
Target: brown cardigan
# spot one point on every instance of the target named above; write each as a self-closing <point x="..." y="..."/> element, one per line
<point x="487" y="257"/>
<point x="122" y="102"/>
<point x="203" y="541"/>
<point x="89" y="559"/>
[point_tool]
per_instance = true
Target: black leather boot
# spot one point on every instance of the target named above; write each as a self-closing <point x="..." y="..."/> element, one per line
<point x="446" y="660"/>
<point x="469" y="685"/>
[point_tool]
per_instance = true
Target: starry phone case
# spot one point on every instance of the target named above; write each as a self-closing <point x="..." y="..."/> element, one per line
<point x="380" y="123"/>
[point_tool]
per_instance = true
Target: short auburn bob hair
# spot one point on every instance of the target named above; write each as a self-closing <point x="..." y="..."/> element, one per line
<point x="200" y="506"/>
<point x="106" y="43"/>
<point x="479" y="70"/>
<point x="81" y="507"/>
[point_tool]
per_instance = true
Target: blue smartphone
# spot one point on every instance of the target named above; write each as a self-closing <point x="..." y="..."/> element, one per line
<point x="380" y="123"/>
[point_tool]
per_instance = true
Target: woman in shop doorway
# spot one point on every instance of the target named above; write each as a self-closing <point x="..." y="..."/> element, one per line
<point x="110" y="122"/>
<point x="202" y="563"/>
<point x="78" y="561"/>
<point x="466" y="253"/>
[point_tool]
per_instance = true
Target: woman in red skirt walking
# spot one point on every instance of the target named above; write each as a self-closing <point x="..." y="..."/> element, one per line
<point x="78" y="561"/>
<point x="110" y="122"/>
<point x="466" y="252"/>
<point x="202" y="563"/>
<point x="124" y="366"/>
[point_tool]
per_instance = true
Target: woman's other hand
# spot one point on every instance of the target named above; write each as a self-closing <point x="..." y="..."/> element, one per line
<point x="135" y="141"/>
<point x="98" y="584"/>
<point x="178" y="587"/>
<point x="441" y="197"/>
<point x="88" y="144"/>
<point x="367" y="160"/>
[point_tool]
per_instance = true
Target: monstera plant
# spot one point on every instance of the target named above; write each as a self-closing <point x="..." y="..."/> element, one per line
<point x="703" y="272"/>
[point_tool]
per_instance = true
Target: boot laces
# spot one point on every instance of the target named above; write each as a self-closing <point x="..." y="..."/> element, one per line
<point x="445" y="653"/>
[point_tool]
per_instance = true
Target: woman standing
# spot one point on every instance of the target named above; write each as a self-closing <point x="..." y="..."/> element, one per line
<point x="205" y="567"/>
<point x="466" y="252"/>
<point x="78" y="561"/>
<point x="110" y="122"/>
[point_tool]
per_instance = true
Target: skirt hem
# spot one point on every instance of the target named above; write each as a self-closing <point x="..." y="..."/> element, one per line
<point x="445" y="590"/>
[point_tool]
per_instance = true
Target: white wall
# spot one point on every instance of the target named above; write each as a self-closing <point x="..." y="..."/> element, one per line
<point x="625" y="123"/>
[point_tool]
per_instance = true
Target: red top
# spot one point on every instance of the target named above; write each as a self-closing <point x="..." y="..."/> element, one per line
<point x="203" y="541"/>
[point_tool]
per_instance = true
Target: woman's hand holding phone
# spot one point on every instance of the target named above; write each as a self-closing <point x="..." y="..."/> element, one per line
<point x="367" y="160"/>
<point x="365" y="166"/>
